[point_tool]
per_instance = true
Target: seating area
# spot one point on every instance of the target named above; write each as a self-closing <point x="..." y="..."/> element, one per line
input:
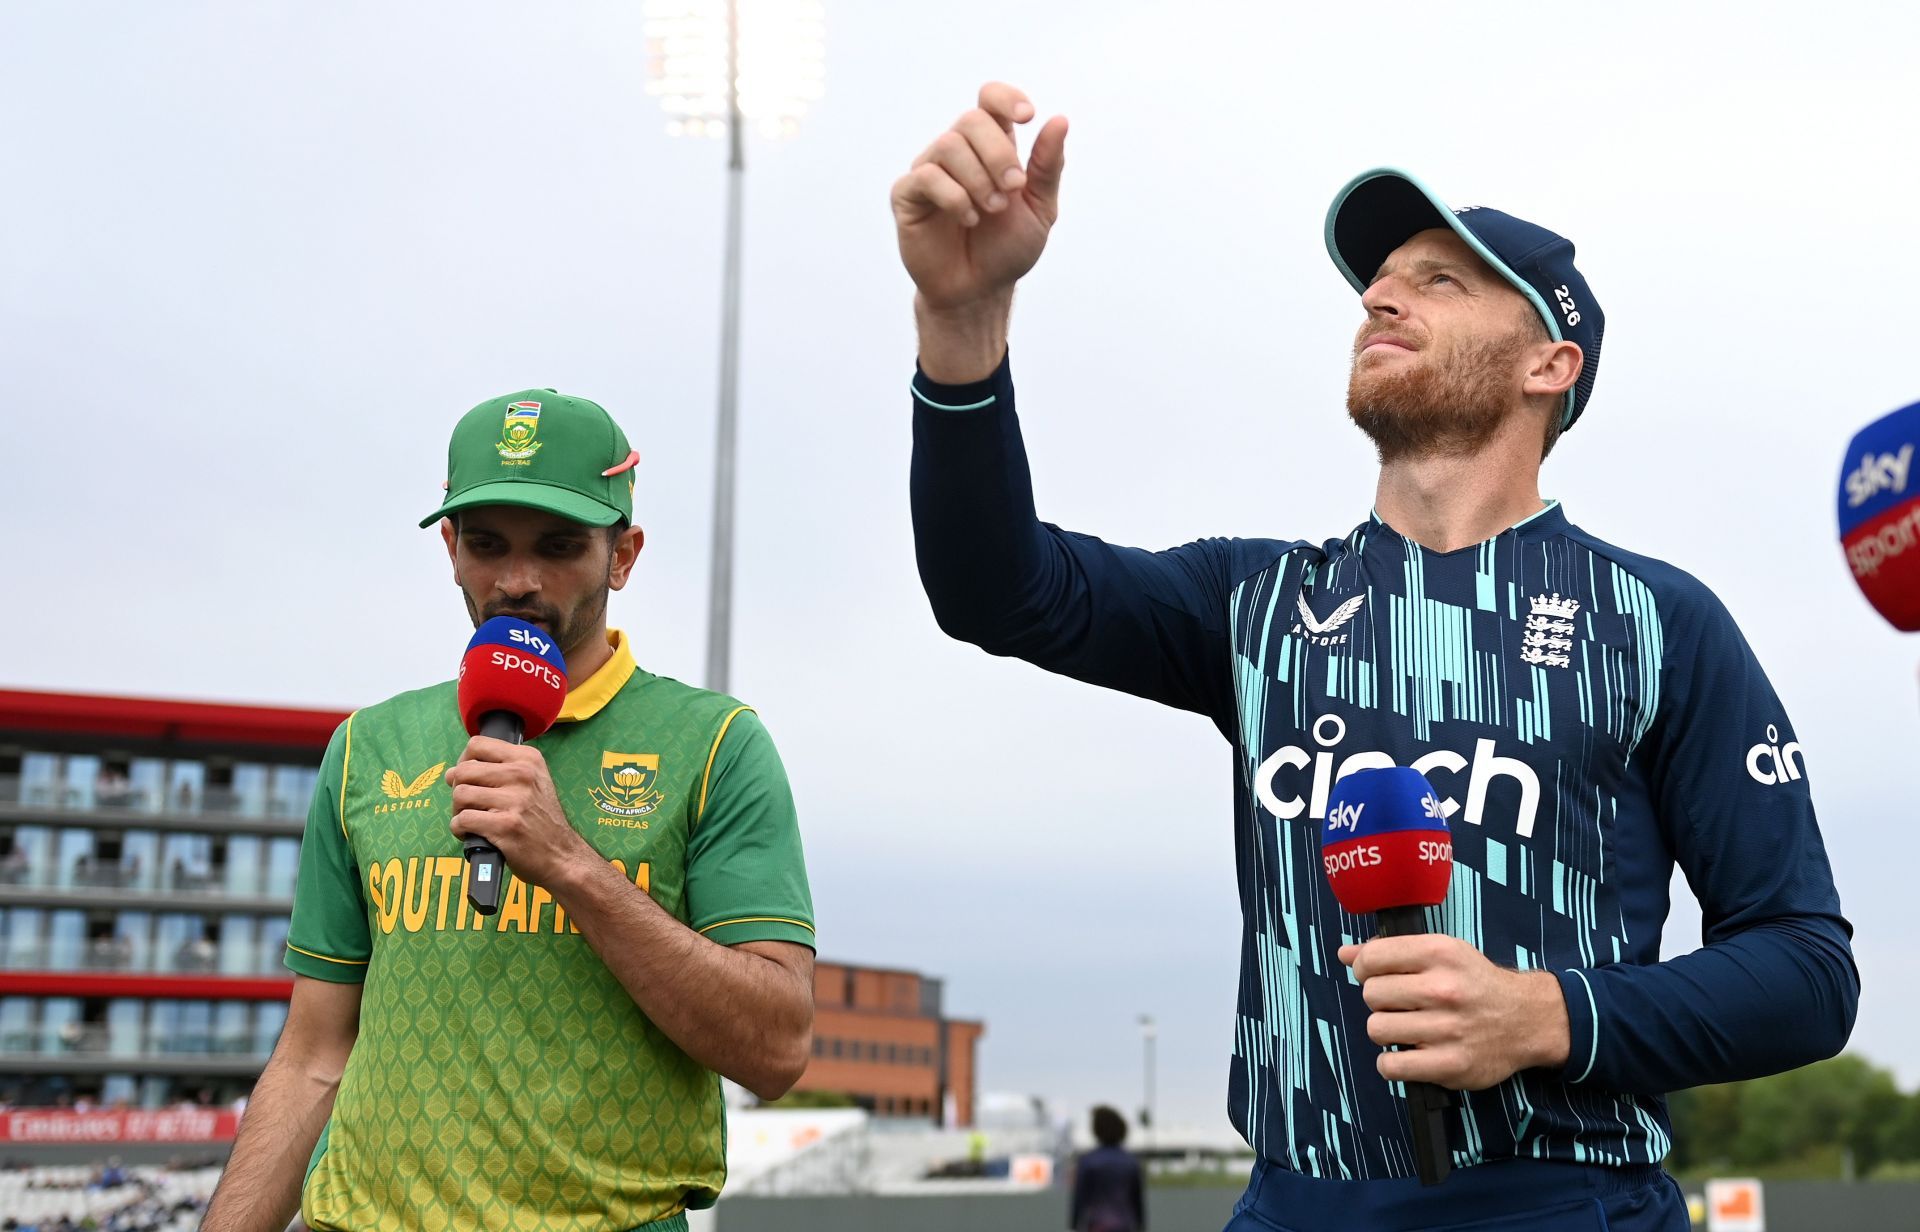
<point x="104" y="1198"/>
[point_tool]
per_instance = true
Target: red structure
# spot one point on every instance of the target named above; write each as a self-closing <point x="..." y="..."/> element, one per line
<point x="148" y="851"/>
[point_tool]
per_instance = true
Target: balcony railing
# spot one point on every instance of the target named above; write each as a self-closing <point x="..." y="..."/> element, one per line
<point x="87" y="875"/>
<point x="117" y="955"/>
<point x="95" y="1039"/>
<point x="130" y="801"/>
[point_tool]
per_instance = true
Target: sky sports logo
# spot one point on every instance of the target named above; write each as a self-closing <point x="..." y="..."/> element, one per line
<point x="531" y="637"/>
<point x="1866" y="554"/>
<point x="1347" y="816"/>
<point x="540" y="669"/>
<point x="1877" y="473"/>
<point x="1429" y="851"/>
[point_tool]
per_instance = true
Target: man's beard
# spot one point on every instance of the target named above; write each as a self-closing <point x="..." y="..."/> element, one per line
<point x="572" y="631"/>
<point x="1447" y="406"/>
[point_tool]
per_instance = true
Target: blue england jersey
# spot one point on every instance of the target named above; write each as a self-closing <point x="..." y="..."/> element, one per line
<point x="1588" y="717"/>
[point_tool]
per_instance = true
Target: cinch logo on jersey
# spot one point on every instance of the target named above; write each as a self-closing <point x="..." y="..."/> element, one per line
<point x="627" y="788"/>
<point x="1329" y="730"/>
<point x="1877" y="472"/>
<point x="404" y="794"/>
<point x="429" y="894"/>
<point x="1771" y="762"/>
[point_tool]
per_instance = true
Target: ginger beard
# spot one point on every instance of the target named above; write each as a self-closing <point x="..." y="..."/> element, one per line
<point x="1445" y="402"/>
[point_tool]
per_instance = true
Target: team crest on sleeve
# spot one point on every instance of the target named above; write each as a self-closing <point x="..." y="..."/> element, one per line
<point x="517" y="434"/>
<point x="1549" y="637"/>
<point x="628" y="785"/>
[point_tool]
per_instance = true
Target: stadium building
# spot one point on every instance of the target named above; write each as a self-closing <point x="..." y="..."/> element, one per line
<point x="148" y="854"/>
<point x="881" y="1038"/>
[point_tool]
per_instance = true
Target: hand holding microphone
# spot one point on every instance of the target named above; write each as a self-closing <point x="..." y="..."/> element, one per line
<point x="1389" y="854"/>
<point x="513" y="683"/>
<point x="1459" y="1022"/>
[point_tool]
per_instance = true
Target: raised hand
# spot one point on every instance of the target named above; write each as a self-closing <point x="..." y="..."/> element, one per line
<point x="971" y="220"/>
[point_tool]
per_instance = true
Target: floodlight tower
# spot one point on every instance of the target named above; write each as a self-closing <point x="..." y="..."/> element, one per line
<point x="716" y="66"/>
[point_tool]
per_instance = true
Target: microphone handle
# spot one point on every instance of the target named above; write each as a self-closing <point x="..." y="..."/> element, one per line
<point x="1427" y="1104"/>
<point x="486" y="867"/>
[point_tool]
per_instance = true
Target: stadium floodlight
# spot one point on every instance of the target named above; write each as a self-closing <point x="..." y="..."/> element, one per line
<point x="778" y="49"/>
<point x="717" y="65"/>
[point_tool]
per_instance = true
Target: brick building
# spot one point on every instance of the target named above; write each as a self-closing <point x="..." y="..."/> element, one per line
<point x="882" y="1037"/>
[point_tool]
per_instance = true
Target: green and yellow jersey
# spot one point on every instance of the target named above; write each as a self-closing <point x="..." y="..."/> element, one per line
<point x="502" y="1077"/>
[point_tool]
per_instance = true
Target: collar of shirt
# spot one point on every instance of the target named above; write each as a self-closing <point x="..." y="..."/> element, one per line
<point x="591" y="696"/>
<point x="1549" y="519"/>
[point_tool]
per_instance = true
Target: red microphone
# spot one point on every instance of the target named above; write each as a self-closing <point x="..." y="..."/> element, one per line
<point x="513" y="682"/>
<point x="1388" y="854"/>
<point x="1880" y="515"/>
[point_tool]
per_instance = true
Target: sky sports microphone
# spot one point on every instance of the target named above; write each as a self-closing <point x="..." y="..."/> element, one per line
<point x="513" y="682"/>
<point x="1880" y="515"/>
<point x="1389" y="854"/>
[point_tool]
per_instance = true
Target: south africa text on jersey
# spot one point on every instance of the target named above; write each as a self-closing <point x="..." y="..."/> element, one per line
<point x="429" y="894"/>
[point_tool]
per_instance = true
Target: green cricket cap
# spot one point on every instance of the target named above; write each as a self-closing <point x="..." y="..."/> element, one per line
<point x="541" y="450"/>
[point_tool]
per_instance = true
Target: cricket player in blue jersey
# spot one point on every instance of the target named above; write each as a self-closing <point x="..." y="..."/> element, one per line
<point x="1589" y="717"/>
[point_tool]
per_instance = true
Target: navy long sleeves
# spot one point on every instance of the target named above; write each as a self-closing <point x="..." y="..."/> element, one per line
<point x="1589" y="718"/>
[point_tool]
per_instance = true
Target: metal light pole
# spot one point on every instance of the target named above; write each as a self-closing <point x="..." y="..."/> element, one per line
<point x="720" y="579"/>
<point x="1147" y="1115"/>
<point x="701" y="74"/>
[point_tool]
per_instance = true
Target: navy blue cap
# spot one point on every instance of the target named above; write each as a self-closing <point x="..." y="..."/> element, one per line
<point x="1384" y="208"/>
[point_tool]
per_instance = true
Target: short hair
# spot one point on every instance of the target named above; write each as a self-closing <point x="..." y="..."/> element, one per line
<point x="1109" y="1127"/>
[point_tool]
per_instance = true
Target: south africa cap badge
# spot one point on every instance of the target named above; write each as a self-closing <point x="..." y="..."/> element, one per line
<point x="517" y="442"/>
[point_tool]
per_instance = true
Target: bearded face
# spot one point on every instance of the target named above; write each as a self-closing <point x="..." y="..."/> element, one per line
<point x="538" y="567"/>
<point x="1433" y="398"/>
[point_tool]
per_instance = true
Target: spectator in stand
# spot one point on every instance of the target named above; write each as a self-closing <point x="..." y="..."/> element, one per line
<point x="1106" y="1181"/>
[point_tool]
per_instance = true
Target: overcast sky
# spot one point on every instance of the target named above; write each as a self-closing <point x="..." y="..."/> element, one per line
<point x="255" y="259"/>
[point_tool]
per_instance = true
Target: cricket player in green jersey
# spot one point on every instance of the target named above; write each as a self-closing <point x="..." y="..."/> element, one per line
<point x="556" y="1065"/>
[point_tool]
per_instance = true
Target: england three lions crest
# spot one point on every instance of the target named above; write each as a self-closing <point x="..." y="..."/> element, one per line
<point x="1549" y="638"/>
<point x="628" y="784"/>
